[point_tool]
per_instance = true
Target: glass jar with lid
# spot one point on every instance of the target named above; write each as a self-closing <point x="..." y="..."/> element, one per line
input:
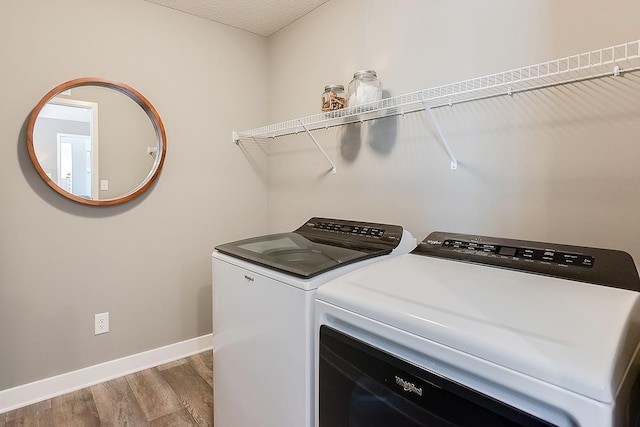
<point x="364" y="88"/>
<point x="333" y="98"/>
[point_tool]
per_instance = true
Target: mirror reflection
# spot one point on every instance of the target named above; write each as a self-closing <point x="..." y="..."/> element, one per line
<point x="96" y="142"/>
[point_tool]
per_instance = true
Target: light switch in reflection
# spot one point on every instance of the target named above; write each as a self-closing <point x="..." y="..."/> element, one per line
<point x="104" y="184"/>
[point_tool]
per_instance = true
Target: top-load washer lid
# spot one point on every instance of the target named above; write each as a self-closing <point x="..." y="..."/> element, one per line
<point x="319" y="245"/>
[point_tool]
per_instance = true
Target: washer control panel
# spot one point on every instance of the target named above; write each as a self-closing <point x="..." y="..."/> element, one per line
<point x="346" y="232"/>
<point x="605" y="267"/>
<point x="354" y="229"/>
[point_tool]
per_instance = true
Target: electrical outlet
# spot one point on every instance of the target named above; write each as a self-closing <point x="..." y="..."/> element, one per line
<point x="102" y="323"/>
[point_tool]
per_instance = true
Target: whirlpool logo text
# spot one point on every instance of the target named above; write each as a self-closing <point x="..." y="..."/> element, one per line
<point x="407" y="386"/>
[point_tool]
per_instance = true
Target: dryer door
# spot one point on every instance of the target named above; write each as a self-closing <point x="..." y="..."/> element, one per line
<point x="360" y="385"/>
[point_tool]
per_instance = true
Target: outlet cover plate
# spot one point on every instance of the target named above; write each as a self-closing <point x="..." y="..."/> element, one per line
<point x="102" y="323"/>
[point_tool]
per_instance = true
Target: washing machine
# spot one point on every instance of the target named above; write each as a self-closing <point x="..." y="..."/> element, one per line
<point x="481" y="331"/>
<point x="263" y="321"/>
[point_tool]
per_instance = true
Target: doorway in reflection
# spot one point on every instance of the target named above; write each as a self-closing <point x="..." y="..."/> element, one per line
<point x="70" y="128"/>
<point x="74" y="165"/>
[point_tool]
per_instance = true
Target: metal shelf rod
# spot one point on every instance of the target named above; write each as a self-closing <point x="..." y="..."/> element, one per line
<point x="324" y="153"/>
<point x="616" y="72"/>
<point x="454" y="161"/>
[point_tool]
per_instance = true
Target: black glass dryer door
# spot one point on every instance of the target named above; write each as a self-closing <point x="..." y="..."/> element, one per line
<point x="297" y="255"/>
<point x="363" y="386"/>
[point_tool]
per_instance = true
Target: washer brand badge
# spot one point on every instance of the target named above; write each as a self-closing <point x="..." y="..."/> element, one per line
<point x="249" y="278"/>
<point x="434" y="242"/>
<point x="407" y="386"/>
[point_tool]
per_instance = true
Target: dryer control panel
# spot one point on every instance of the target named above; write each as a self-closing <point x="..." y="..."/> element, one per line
<point x="605" y="267"/>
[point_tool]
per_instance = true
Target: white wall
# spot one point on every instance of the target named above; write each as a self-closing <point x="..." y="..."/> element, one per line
<point x="147" y="262"/>
<point x="556" y="165"/>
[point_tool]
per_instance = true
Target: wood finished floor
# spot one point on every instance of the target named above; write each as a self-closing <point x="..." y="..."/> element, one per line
<point x="179" y="393"/>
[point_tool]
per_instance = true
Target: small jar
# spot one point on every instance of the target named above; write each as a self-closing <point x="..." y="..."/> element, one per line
<point x="364" y="88"/>
<point x="333" y="98"/>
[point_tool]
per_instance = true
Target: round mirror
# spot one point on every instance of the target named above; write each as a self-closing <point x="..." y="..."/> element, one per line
<point x="96" y="141"/>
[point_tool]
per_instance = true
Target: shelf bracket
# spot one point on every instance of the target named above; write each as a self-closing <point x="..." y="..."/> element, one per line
<point x="333" y="166"/>
<point x="454" y="161"/>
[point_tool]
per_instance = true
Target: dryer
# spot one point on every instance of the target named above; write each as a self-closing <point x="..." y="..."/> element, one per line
<point x="263" y="334"/>
<point x="474" y="330"/>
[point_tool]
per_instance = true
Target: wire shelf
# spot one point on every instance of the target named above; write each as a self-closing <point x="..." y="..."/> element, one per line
<point x="609" y="61"/>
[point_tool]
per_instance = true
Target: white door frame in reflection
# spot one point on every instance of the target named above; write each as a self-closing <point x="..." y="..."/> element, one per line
<point x="75" y="156"/>
<point x="75" y="111"/>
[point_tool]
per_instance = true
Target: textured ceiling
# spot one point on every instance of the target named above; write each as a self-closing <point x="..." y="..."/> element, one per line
<point x="263" y="17"/>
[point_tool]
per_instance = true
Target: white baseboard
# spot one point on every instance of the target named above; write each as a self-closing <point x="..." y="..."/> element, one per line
<point x="37" y="391"/>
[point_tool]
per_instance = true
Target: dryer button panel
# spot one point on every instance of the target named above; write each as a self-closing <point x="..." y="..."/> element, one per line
<point x="605" y="267"/>
<point x="526" y="254"/>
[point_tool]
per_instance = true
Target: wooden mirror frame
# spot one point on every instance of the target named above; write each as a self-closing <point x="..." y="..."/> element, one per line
<point x="139" y="99"/>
